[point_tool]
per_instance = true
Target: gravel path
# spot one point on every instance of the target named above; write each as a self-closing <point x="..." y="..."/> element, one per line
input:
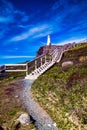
<point x="41" y="119"/>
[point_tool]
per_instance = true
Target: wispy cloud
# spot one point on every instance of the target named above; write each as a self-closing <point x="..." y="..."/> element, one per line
<point x="70" y="16"/>
<point x="31" y="32"/>
<point x="9" y="15"/>
<point x="6" y="12"/>
<point x="14" y="57"/>
<point x="6" y="16"/>
<point x="21" y="16"/>
<point x="63" y="20"/>
<point x="71" y="41"/>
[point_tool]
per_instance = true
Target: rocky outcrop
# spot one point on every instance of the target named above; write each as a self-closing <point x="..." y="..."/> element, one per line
<point x="50" y="48"/>
<point x="47" y="49"/>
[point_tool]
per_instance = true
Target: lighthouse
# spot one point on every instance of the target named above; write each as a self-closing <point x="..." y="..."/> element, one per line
<point x="48" y="40"/>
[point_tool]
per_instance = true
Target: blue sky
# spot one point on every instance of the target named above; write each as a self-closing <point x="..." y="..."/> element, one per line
<point x="25" y="24"/>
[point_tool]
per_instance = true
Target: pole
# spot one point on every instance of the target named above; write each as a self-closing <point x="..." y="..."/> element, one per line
<point x="45" y="58"/>
<point x="41" y="62"/>
<point x="26" y="69"/>
<point x="35" y="64"/>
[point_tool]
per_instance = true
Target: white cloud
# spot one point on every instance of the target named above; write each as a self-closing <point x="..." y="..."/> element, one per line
<point x="14" y="57"/>
<point x="22" y="15"/>
<point x="32" y="32"/>
<point x="71" y="41"/>
<point x="9" y="15"/>
<point x="6" y="13"/>
<point x="20" y="37"/>
<point x="42" y="34"/>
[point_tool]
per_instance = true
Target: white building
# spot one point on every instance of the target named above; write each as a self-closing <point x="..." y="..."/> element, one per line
<point x="48" y="40"/>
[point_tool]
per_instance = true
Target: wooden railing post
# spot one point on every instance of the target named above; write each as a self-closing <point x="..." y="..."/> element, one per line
<point x="50" y="58"/>
<point x="41" y="61"/>
<point x="3" y="70"/>
<point x="45" y="59"/>
<point x="35" y="64"/>
<point x="26" y="69"/>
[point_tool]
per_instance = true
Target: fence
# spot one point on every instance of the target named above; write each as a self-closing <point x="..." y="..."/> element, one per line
<point x="2" y="70"/>
<point x="28" y="67"/>
<point x="36" y="63"/>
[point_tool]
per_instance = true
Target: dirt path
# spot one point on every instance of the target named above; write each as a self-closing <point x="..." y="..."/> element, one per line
<point x="41" y="119"/>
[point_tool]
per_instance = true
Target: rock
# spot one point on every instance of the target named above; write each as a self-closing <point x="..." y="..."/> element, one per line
<point x="67" y="63"/>
<point x="24" y="119"/>
<point x="49" y="125"/>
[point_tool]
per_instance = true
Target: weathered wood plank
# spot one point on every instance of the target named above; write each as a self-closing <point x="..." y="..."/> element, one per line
<point x="2" y="68"/>
<point x="15" y="70"/>
<point x="15" y="64"/>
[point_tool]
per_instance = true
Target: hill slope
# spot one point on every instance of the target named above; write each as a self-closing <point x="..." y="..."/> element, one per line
<point x="62" y="91"/>
<point x="10" y="105"/>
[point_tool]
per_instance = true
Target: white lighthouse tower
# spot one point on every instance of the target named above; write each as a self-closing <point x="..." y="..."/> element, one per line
<point x="48" y="40"/>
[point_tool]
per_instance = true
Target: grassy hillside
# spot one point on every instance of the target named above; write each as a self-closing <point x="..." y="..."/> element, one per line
<point x="10" y="106"/>
<point x="62" y="91"/>
<point x="75" y="53"/>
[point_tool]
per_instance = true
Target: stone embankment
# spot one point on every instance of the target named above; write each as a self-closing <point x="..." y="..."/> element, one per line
<point x="40" y="118"/>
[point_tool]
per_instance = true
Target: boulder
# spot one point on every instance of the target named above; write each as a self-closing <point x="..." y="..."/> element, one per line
<point x="67" y="63"/>
<point x="24" y="119"/>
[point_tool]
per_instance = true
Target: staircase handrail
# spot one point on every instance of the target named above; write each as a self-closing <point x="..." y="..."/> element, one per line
<point x="37" y="58"/>
<point x="53" y="51"/>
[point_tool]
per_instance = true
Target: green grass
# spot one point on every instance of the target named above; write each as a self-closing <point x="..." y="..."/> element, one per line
<point x="9" y="105"/>
<point x="75" y="53"/>
<point x="83" y="45"/>
<point x="62" y="91"/>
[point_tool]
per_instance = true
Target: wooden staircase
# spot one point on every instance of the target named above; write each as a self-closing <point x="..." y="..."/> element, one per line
<point x="40" y="64"/>
<point x="56" y="57"/>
